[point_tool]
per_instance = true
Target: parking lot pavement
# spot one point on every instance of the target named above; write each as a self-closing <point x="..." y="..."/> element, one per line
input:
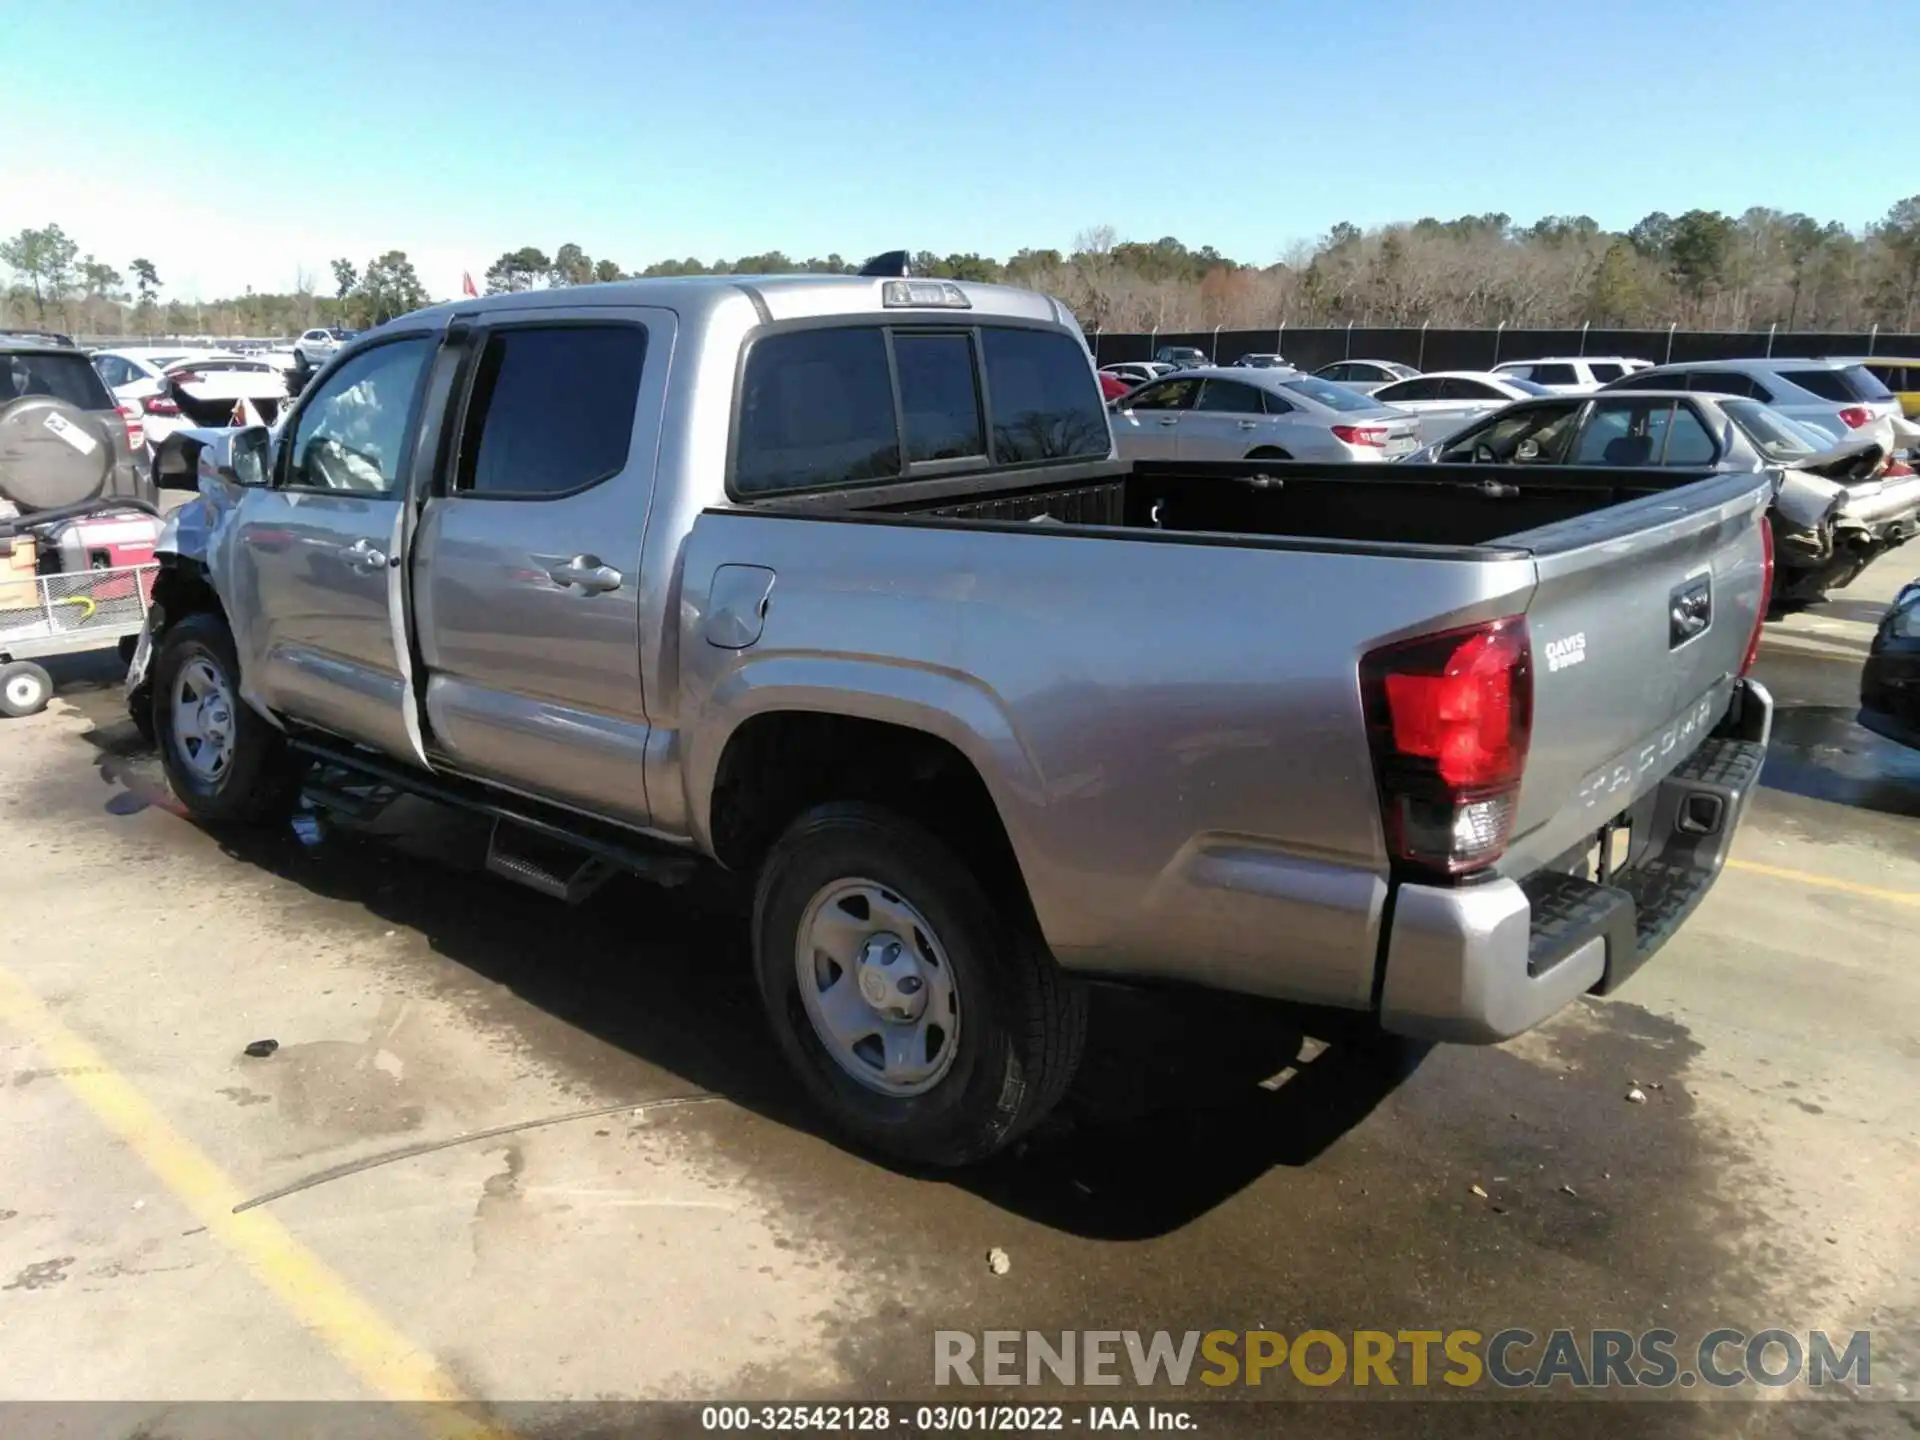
<point x="725" y="1249"/>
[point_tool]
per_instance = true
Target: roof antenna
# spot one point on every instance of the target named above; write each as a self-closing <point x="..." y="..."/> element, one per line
<point x="893" y="264"/>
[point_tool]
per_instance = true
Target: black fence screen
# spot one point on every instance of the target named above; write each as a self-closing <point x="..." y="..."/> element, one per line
<point x="1431" y="349"/>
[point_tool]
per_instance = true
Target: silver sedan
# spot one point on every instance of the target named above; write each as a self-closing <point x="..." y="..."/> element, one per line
<point x="1445" y="400"/>
<point x="1222" y="413"/>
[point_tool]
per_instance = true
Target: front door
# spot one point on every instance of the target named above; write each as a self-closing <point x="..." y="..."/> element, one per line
<point x="526" y="573"/>
<point x="315" y="571"/>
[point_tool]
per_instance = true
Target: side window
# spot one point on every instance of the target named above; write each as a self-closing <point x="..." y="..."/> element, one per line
<point x="112" y="369"/>
<point x="1275" y="405"/>
<point x="1604" y="370"/>
<point x="1623" y="433"/>
<point x="1516" y="372"/>
<point x="552" y="410"/>
<point x="352" y="435"/>
<point x="1456" y="389"/>
<point x="1554" y="375"/>
<point x="1042" y="397"/>
<point x="939" y="399"/>
<point x="1524" y="435"/>
<point x="816" y="409"/>
<point x="1688" y="442"/>
<point x="1229" y="397"/>
<point x="1421" y="389"/>
<point x="1341" y="371"/>
<point x="1167" y="395"/>
<point x="1720" y="382"/>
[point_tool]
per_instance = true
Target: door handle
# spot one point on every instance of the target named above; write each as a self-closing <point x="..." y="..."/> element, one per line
<point x="1169" y="419"/>
<point x="1249" y="424"/>
<point x="587" y="572"/>
<point x="363" y="556"/>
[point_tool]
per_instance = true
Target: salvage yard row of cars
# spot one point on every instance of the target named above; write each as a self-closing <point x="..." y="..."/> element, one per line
<point x="1834" y="436"/>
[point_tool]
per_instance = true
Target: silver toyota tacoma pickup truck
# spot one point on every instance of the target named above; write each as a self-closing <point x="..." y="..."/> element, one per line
<point x="837" y="582"/>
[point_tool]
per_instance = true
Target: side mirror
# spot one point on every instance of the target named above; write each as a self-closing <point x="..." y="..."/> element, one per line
<point x="235" y="457"/>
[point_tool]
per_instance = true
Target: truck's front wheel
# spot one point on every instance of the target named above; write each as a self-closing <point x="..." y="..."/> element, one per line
<point x="929" y="1021"/>
<point x="226" y="763"/>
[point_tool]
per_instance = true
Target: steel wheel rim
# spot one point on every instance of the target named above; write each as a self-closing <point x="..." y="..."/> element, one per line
<point x="22" y="690"/>
<point x="878" y="987"/>
<point x="203" y="720"/>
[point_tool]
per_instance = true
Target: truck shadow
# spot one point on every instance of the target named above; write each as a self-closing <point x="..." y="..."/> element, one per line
<point x="1167" y="1119"/>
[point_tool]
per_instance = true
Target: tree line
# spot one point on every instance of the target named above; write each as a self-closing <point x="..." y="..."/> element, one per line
<point x="1702" y="269"/>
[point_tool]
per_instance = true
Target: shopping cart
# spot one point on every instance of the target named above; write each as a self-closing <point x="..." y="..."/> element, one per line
<point x="64" y="613"/>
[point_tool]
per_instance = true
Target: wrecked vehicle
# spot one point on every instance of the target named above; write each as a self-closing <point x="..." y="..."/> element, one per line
<point x="838" y="583"/>
<point x="1890" y="679"/>
<point x="1837" y="506"/>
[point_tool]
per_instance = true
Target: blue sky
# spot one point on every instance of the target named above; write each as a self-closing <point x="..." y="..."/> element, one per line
<point x="239" y="148"/>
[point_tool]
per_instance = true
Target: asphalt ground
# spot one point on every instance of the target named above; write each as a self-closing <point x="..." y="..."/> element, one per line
<point x="635" y="1203"/>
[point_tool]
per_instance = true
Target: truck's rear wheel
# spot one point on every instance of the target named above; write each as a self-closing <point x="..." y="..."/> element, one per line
<point x="227" y="764"/>
<point x="929" y="1021"/>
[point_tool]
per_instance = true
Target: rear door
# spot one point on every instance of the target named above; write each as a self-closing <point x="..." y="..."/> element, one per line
<point x="526" y="570"/>
<point x="1146" y="425"/>
<point x="314" y="579"/>
<point x="1227" y="420"/>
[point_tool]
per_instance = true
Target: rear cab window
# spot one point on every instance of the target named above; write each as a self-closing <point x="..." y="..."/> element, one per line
<point x="826" y="407"/>
<point x="68" y="377"/>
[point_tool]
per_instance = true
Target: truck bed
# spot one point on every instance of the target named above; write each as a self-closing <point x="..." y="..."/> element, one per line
<point x="1427" y="505"/>
<point x="1159" y="666"/>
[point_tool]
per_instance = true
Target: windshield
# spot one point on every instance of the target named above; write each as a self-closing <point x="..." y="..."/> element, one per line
<point x="1773" y="434"/>
<point x="1331" y="395"/>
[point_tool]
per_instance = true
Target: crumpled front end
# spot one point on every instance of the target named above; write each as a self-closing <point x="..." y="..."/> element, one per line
<point x="1827" y="530"/>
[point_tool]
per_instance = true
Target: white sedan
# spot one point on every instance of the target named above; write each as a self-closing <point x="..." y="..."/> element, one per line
<point x="168" y="388"/>
<point x="1445" y="400"/>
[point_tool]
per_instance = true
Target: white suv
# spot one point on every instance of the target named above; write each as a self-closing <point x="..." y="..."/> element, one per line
<point x="316" y="347"/>
<point x="1571" y="374"/>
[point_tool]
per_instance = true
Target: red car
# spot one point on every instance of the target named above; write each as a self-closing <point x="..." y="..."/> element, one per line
<point x="1112" y="387"/>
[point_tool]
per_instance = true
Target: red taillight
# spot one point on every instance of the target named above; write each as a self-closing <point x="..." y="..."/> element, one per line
<point x="1766" y="592"/>
<point x="136" y="432"/>
<point x="1896" y="470"/>
<point x="160" y="405"/>
<point x="1854" y="416"/>
<point x="1450" y="717"/>
<point x="1375" y="435"/>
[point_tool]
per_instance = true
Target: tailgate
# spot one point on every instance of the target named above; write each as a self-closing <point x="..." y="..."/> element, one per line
<point x="1640" y="623"/>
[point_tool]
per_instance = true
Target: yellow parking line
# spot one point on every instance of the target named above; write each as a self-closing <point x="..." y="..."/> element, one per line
<point x="390" y="1364"/>
<point x="1827" y="882"/>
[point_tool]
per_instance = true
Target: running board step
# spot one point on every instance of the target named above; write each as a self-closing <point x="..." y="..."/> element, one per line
<point x="540" y="862"/>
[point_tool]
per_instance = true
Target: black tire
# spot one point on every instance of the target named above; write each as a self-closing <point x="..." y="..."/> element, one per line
<point x="25" y="689"/>
<point x="1268" y="452"/>
<point x="1024" y="1019"/>
<point x="261" y="782"/>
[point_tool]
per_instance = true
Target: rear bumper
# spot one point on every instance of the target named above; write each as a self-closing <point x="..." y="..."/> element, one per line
<point x="1477" y="964"/>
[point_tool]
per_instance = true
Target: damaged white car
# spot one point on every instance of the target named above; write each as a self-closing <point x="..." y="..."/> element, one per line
<point x="1837" y="506"/>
